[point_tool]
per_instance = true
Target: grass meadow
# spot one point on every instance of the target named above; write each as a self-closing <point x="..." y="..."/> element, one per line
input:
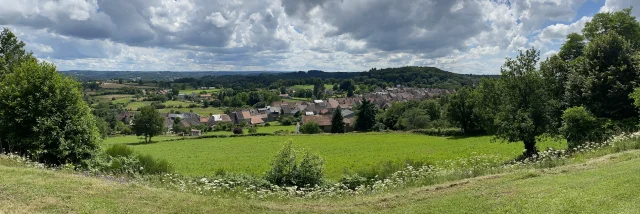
<point x="346" y="153"/>
<point x="608" y="185"/>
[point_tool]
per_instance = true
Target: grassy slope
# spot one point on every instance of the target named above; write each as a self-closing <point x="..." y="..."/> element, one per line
<point x="608" y="185"/>
<point x="349" y="151"/>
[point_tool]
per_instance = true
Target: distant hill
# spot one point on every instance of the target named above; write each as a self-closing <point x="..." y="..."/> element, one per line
<point x="411" y="76"/>
<point x="86" y="75"/>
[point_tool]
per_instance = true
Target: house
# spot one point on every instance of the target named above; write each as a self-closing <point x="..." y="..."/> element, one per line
<point x="195" y="132"/>
<point x="126" y="118"/>
<point x="182" y="96"/>
<point x="204" y="120"/>
<point x="255" y="120"/>
<point x="218" y="118"/>
<point x="205" y="96"/>
<point x="324" y="122"/>
<point x="346" y="113"/>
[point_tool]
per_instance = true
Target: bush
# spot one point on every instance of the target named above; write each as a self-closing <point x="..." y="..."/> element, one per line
<point x="119" y="150"/>
<point x="150" y="165"/>
<point x="237" y="130"/>
<point x="123" y="160"/>
<point x="285" y="170"/>
<point x="580" y="126"/>
<point x="282" y="132"/>
<point x="287" y="120"/>
<point x="267" y="124"/>
<point x="253" y="130"/>
<point x="310" y="128"/>
<point x="378" y="127"/>
<point x="224" y="126"/>
<point x="44" y="116"/>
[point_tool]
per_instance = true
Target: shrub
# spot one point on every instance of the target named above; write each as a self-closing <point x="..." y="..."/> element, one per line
<point x="224" y="126"/>
<point x="287" y="120"/>
<point x="123" y="160"/>
<point x="44" y="116"/>
<point x="282" y="132"/>
<point x="150" y="165"/>
<point x="267" y="124"/>
<point x="580" y="126"/>
<point x="285" y="170"/>
<point x="253" y="130"/>
<point x="119" y="150"/>
<point x="237" y="130"/>
<point x="378" y="127"/>
<point x="310" y="128"/>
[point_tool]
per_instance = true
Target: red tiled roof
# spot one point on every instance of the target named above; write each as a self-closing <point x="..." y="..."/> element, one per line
<point x="321" y="120"/>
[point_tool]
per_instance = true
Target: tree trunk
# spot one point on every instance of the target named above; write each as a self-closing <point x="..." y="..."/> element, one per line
<point x="530" y="147"/>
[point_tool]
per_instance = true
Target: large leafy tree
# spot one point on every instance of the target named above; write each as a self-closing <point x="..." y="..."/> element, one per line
<point x="461" y="111"/>
<point x="12" y="52"/>
<point x="610" y="74"/>
<point x="43" y="116"/>
<point x="366" y="116"/>
<point x="337" y="122"/>
<point x="525" y="111"/>
<point x="148" y="123"/>
<point x="620" y="22"/>
<point x="573" y="47"/>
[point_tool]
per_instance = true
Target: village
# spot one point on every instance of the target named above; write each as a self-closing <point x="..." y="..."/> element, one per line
<point x="317" y="111"/>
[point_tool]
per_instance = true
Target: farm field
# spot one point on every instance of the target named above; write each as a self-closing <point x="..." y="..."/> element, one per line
<point x="342" y="153"/>
<point x="197" y="91"/>
<point x="117" y="86"/>
<point x="298" y="87"/>
<point x="135" y="105"/>
<point x="203" y="112"/>
<point x="109" y="97"/>
<point x="609" y="184"/>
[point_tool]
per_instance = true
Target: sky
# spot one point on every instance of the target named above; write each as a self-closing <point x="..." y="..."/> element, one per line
<point x="461" y="36"/>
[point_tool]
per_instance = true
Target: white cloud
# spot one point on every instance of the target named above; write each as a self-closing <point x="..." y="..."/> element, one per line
<point x="465" y="36"/>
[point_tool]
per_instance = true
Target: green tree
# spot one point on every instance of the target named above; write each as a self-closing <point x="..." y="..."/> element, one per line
<point x="414" y="118"/>
<point x="525" y="111"/>
<point x="12" y="52"/>
<point x="555" y="73"/>
<point x="580" y="126"/>
<point x="178" y="127"/>
<point x="148" y="123"/>
<point x="611" y="73"/>
<point x="337" y="122"/>
<point x="365" y="116"/>
<point x="319" y="90"/>
<point x="487" y="100"/>
<point x="573" y="47"/>
<point x="310" y="128"/>
<point x="461" y="111"/>
<point x="432" y="108"/>
<point x="45" y="117"/>
<point x="621" y="23"/>
<point x="103" y="127"/>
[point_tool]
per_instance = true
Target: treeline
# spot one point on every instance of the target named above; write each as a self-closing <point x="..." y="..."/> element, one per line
<point x="584" y="92"/>
<point x="422" y="77"/>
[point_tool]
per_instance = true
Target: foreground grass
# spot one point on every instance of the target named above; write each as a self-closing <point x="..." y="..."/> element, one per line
<point x="346" y="153"/>
<point x="604" y="185"/>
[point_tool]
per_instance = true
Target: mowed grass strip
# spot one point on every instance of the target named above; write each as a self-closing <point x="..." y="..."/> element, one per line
<point x="342" y="153"/>
<point x="606" y="186"/>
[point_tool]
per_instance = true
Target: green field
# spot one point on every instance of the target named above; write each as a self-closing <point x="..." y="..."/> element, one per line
<point x="135" y="105"/>
<point x="298" y="87"/>
<point x="608" y="185"/>
<point x="197" y="91"/>
<point x="342" y="153"/>
<point x="203" y="112"/>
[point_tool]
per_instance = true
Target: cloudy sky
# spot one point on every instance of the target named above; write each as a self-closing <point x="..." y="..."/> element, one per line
<point x="462" y="36"/>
